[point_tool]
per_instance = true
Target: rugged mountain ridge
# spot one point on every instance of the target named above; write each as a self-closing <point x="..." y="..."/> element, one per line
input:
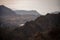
<point x="10" y="17"/>
<point x="5" y="11"/>
<point x="43" y="28"/>
<point x="25" y="12"/>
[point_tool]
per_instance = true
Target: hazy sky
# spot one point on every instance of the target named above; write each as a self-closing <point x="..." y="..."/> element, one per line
<point x="42" y="6"/>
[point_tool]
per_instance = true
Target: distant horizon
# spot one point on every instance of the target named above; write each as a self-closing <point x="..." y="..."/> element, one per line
<point x="36" y="11"/>
<point x="29" y="10"/>
<point x="42" y="6"/>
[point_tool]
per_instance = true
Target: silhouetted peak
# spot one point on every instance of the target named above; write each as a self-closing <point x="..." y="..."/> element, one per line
<point x="1" y="5"/>
<point x="5" y="11"/>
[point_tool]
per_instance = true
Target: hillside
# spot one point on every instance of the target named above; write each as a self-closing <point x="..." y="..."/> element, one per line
<point x="5" y="11"/>
<point x="43" y="28"/>
<point x="9" y="17"/>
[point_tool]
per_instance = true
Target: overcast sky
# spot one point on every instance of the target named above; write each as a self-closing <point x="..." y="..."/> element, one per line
<point x="42" y="6"/>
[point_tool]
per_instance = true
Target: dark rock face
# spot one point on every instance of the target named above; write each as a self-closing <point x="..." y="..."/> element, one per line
<point x="48" y="21"/>
<point x="43" y="28"/>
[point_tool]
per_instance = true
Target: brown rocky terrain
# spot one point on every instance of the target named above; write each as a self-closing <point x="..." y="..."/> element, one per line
<point x="43" y="28"/>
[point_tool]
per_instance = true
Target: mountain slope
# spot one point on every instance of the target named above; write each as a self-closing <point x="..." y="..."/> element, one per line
<point x="4" y="11"/>
<point x="43" y="28"/>
<point x="9" y="17"/>
<point x="25" y="12"/>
